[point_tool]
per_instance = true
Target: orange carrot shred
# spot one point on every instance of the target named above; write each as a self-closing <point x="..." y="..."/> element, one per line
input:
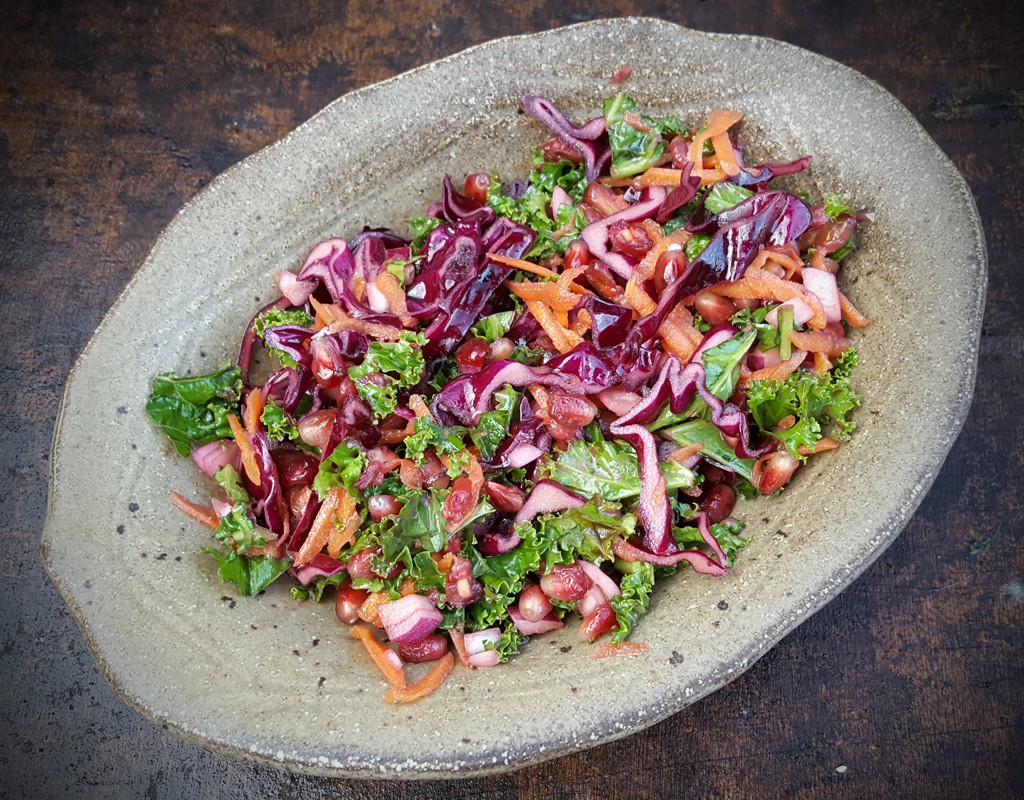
<point x="779" y="372"/>
<point x="623" y="649"/>
<point x="719" y="122"/>
<point x="388" y="286"/>
<point x="820" y="342"/>
<point x="320" y="531"/>
<point x="563" y="340"/>
<point x="379" y="653"/>
<point x="425" y="685"/>
<point x="824" y="445"/>
<point x="253" y="410"/>
<point x="851" y="315"/>
<point x="252" y="469"/>
<point x="368" y="612"/>
<point x="339" y="536"/>
<point x="202" y="514"/>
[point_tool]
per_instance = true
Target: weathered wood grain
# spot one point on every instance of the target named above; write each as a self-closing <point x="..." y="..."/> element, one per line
<point x="112" y="114"/>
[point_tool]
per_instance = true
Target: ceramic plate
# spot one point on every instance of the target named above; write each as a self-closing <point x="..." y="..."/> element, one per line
<point x="278" y="681"/>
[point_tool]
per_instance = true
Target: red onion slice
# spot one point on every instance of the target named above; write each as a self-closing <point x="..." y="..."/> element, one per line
<point x="528" y="628"/>
<point x="409" y="619"/>
<point x="547" y="497"/>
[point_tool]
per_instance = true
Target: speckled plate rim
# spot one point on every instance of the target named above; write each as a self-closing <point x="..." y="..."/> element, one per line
<point x="828" y="586"/>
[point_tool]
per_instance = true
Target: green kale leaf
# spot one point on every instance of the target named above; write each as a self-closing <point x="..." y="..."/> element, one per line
<point x="609" y="469"/>
<point x="636" y="588"/>
<point x="341" y="468"/>
<point x="193" y="410"/>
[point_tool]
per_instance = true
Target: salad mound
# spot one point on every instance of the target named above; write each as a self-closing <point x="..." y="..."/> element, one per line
<point x="544" y="400"/>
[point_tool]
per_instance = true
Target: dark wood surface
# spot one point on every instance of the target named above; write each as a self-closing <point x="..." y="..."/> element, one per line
<point x="113" y="114"/>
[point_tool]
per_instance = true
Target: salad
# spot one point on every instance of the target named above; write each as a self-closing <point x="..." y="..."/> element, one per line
<point x="546" y="398"/>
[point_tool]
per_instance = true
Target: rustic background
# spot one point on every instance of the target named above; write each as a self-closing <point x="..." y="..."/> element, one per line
<point x="113" y="114"/>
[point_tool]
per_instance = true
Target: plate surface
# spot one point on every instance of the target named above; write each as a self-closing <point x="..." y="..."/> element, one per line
<point x="278" y="681"/>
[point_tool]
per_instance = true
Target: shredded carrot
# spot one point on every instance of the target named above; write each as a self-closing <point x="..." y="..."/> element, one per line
<point x="346" y="513"/>
<point x="375" y="330"/>
<point x="202" y="514"/>
<point x="821" y="363"/>
<point x="249" y="464"/>
<point x="407" y="588"/>
<point x="584" y="322"/>
<point x="536" y="269"/>
<point x="396" y="435"/>
<point x="622" y="649"/>
<point x="253" y="410"/>
<point x="820" y="342"/>
<point x="444" y="561"/>
<point x="725" y="154"/>
<point x="675" y="341"/>
<point x="418" y="406"/>
<point x="681" y="317"/>
<point x="779" y="372"/>
<point x="368" y="612"/>
<point x="759" y="284"/>
<point x="851" y="315"/>
<point x="681" y="454"/>
<point x="564" y="340"/>
<point x="787" y="257"/>
<point x="637" y="299"/>
<point x="326" y="313"/>
<point x="661" y="176"/>
<point x="719" y="122"/>
<point x="379" y="652"/>
<point x="458" y="638"/>
<point x="323" y="523"/>
<point x="388" y="286"/>
<point x="824" y="445"/>
<point x="425" y="685"/>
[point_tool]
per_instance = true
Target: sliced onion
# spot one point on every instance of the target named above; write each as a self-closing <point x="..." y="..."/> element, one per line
<point x="297" y="292"/>
<point x="591" y="601"/>
<point x="409" y="619"/>
<point x="801" y="311"/>
<point x="822" y="284"/>
<point x="527" y="627"/>
<point x="547" y="497"/>
<point x="215" y="455"/>
<point x="609" y="588"/>
<point x="488" y="658"/>
<point x="477" y="641"/>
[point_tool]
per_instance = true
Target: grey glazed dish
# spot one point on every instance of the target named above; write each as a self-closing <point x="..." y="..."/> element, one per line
<point x="274" y="680"/>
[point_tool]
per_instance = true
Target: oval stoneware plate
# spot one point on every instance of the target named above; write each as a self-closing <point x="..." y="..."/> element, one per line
<point x="275" y="680"/>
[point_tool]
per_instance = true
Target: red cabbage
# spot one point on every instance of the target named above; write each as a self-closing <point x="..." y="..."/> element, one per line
<point x="583" y="139"/>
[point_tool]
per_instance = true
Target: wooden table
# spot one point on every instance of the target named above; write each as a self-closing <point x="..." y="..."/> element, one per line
<point x="114" y="114"/>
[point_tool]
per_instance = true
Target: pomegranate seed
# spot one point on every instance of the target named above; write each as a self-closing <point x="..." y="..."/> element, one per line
<point x="669" y="266"/>
<point x="315" y="428"/>
<point x="460" y="587"/>
<point x="603" y="199"/>
<point x="460" y="501"/>
<point x="533" y="603"/>
<point x="294" y="467"/>
<point x="383" y="505"/>
<point x="629" y="239"/>
<point x="566" y="582"/>
<point x="347" y="603"/>
<point x="472" y="354"/>
<point x="713" y="308"/>
<point x="718" y="503"/>
<point x="601" y="620"/>
<point x="358" y="566"/>
<point x="328" y="365"/>
<point x="571" y="410"/>
<point x="556" y="150"/>
<point x="772" y="470"/>
<point x="476" y="186"/>
<point x="505" y="498"/>
<point x="577" y="254"/>
<point x="430" y="648"/>
<point x="501" y="349"/>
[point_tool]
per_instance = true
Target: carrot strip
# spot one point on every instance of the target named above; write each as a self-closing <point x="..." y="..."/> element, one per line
<point x="253" y="410"/>
<point x="623" y="649"/>
<point x="368" y="612"/>
<point x="726" y="155"/>
<point x="637" y="299"/>
<point x="820" y="342"/>
<point x="681" y="454"/>
<point x="379" y="653"/>
<point x="338" y="537"/>
<point x="719" y="122"/>
<point x="320" y="530"/>
<point x="759" y="284"/>
<point x="202" y="514"/>
<point x="388" y="286"/>
<point x="376" y="330"/>
<point x="563" y="340"/>
<point x="821" y="363"/>
<point x="779" y="372"/>
<point x="326" y="313"/>
<point x="824" y="445"/>
<point x="851" y="315"/>
<point x="425" y="685"/>
<point x="674" y="241"/>
<point x="418" y="406"/>
<point x="660" y="176"/>
<point x="458" y="638"/>
<point x="249" y="464"/>
<point x="525" y="266"/>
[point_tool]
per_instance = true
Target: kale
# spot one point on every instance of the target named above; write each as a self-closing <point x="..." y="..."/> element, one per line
<point x="194" y="410"/>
